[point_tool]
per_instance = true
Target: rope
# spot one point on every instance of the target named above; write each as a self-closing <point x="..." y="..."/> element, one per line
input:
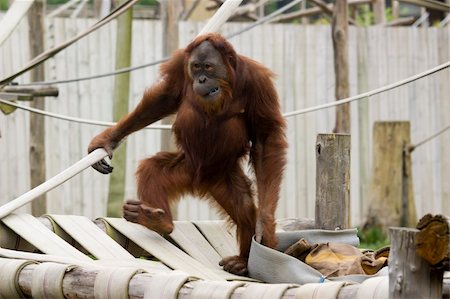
<point x="372" y="92"/>
<point x="133" y="68"/>
<point x="76" y="119"/>
<point x="49" y="53"/>
<point x="289" y="114"/>
<point x="435" y="135"/>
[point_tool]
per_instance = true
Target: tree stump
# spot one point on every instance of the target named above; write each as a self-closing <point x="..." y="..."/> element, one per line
<point x="433" y="240"/>
<point x="410" y="276"/>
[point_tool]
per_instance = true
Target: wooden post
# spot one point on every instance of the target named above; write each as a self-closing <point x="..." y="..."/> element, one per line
<point x="37" y="122"/>
<point x="340" y="47"/>
<point x="395" y="9"/>
<point x="171" y="11"/>
<point x="379" y="7"/>
<point x="391" y="183"/>
<point x="121" y="95"/>
<point x="410" y="276"/>
<point x="333" y="181"/>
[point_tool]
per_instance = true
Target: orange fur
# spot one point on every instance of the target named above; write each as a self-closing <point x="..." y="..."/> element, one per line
<point x="212" y="142"/>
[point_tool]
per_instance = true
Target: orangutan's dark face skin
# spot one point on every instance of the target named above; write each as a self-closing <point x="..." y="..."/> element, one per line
<point x="207" y="70"/>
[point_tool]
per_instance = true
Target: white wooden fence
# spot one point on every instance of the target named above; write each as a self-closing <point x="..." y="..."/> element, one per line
<point x="302" y="58"/>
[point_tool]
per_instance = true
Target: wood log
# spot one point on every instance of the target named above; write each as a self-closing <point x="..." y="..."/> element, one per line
<point x="35" y="91"/>
<point x="433" y="240"/>
<point x="410" y="276"/>
<point x="332" y="181"/>
<point x="79" y="283"/>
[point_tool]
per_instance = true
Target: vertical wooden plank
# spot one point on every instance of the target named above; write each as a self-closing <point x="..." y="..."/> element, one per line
<point x="363" y="120"/>
<point x="333" y="181"/>
<point x="37" y="122"/>
<point x="390" y="183"/>
<point x="379" y="7"/>
<point x="354" y="161"/>
<point x="309" y="119"/>
<point x="299" y="141"/>
<point x="444" y="146"/>
<point x="287" y="204"/>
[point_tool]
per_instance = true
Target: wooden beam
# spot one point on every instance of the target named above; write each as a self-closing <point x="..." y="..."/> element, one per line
<point x="430" y="4"/>
<point x="13" y="96"/>
<point x="35" y="91"/>
<point x="401" y="22"/>
<point x="79" y="283"/>
<point x="37" y="122"/>
<point x="312" y="11"/>
<point x="332" y="181"/>
<point x="410" y="276"/>
<point x="329" y="10"/>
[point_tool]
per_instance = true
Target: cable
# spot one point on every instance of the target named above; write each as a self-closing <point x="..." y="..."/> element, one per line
<point x="133" y="68"/>
<point x="53" y="51"/>
<point x="413" y="147"/>
<point x="372" y="92"/>
<point x="289" y="114"/>
<point x="76" y="119"/>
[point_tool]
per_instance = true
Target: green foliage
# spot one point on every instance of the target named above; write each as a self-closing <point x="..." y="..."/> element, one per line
<point x="3" y="4"/>
<point x="364" y="16"/>
<point x="372" y="238"/>
<point x="148" y="2"/>
<point x="56" y="1"/>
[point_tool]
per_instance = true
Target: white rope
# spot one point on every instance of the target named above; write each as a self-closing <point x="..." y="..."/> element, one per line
<point x="288" y="114"/>
<point x="372" y="92"/>
<point x="76" y="119"/>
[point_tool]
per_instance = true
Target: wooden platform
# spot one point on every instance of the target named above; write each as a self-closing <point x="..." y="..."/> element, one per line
<point x="73" y="256"/>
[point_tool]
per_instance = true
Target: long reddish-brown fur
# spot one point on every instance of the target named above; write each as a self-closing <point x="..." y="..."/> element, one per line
<point x="212" y="142"/>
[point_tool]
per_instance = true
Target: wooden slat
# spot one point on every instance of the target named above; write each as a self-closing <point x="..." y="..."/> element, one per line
<point x="191" y="240"/>
<point x="221" y="238"/>
<point x="37" y="234"/>
<point x="165" y="251"/>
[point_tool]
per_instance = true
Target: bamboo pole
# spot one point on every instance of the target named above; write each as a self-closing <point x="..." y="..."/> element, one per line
<point x="121" y="96"/>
